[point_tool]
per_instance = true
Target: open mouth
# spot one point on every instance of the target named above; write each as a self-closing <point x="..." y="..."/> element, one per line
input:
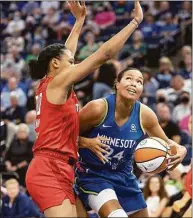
<point x="131" y="91"/>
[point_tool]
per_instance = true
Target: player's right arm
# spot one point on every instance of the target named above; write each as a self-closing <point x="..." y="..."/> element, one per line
<point x="91" y="115"/>
<point x="153" y="129"/>
<point x="74" y="73"/>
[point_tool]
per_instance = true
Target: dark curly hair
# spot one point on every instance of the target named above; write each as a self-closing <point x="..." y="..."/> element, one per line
<point x="40" y="67"/>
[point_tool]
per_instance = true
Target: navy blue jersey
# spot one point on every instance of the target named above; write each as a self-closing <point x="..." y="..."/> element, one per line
<point x="123" y="140"/>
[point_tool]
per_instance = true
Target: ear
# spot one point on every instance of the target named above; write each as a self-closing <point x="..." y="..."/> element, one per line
<point x="55" y="63"/>
<point x="116" y="84"/>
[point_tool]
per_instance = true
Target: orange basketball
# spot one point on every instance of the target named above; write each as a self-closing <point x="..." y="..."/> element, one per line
<point x="151" y="153"/>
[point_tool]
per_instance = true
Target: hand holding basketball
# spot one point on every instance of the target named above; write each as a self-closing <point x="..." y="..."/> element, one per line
<point x="180" y="153"/>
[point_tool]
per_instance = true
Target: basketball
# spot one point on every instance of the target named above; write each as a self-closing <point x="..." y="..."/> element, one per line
<point x="151" y="153"/>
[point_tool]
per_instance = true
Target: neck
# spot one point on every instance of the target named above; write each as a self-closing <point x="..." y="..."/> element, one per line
<point x="163" y="123"/>
<point x="11" y="200"/>
<point x="154" y="194"/>
<point x="123" y="108"/>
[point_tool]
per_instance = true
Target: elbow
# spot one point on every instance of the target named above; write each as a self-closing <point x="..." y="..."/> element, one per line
<point x="107" y="53"/>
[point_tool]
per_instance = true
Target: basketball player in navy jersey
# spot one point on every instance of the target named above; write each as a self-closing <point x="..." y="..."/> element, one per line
<point x="111" y="189"/>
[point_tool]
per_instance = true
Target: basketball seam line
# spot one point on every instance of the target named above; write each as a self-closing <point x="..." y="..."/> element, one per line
<point x="152" y="148"/>
<point x="158" y="141"/>
<point x="152" y="159"/>
<point x="158" y="167"/>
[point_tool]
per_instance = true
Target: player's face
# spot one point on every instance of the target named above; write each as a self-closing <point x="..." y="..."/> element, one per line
<point x="131" y="85"/>
<point x="154" y="184"/>
<point x="64" y="61"/>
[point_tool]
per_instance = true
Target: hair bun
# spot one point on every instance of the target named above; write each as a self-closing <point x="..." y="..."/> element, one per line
<point x="35" y="69"/>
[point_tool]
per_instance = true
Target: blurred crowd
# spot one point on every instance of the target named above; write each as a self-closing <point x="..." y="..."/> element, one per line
<point x="161" y="48"/>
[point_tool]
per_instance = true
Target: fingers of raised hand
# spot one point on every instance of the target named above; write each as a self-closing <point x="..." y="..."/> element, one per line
<point x="83" y="3"/>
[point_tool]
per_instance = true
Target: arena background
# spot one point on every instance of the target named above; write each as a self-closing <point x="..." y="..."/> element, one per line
<point x="161" y="48"/>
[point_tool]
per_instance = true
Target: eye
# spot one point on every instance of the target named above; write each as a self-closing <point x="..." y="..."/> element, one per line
<point x="140" y="82"/>
<point x="128" y="78"/>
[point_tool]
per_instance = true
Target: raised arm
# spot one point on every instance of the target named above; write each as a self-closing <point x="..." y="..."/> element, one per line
<point x="104" y="53"/>
<point x="153" y="129"/>
<point x="79" y="12"/>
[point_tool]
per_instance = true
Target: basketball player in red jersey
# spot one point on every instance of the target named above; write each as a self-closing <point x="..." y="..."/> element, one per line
<point x="50" y="175"/>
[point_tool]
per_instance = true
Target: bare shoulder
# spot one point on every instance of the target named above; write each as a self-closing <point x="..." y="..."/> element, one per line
<point x="93" y="113"/>
<point x="96" y="107"/>
<point x="148" y="116"/>
<point x="146" y="110"/>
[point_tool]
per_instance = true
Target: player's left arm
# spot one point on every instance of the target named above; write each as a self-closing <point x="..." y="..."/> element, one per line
<point x="153" y="129"/>
<point x="79" y="12"/>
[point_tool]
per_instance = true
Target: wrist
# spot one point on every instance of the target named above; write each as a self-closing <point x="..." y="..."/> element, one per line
<point x="84" y="142"/>
<point x="80" y="20"/>
<point x="135" y="22"/>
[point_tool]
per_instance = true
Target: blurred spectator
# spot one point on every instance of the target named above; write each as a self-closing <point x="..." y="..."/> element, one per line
<point x="17" y="24"/>
<point x="166" y="71"/>
<point x="169" y="127"/>
<point x="190" y="125"/>
<point x="5" y="94"/>
<point x="169" y="27"/>
<point x="136" y="51"/>
<point x="30" y="119"/>
<point x="177" y="84"/>
<point x="164" y="8"/>
<point x="185" y="50"/>
<point x="34" y="52"/>
<point x="150" y="86"/>
<point x="19" y="153"/>
<point x="104" y="81"/>
<point x="183" y="109"/>
<point x="29" y="7"/>
<point x="122" y="9"/>
<point x="90" y="47"/>
<point x="46" y="5"/>
<point x="186" y="71"/>
<point x="14" y="113"/>
<point x="40" y="35"/>
<point x="15" y="40"/>
<point x="185" y="11"/>
<point x="175" y="184"/>
<point x="183" y="124"/>
<point x="63" y="31"/>
<point x="8" y="131"/>
<point x="17" y="204"/>
<point x="14" y="63"/>
<point x="149" y="28"/>
<point x="52" y="17"/>
<point x="155" y="196"/>
<point x="105" y="16"/>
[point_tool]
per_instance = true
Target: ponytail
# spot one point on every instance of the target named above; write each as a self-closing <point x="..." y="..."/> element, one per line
<point x="36" y="70"/>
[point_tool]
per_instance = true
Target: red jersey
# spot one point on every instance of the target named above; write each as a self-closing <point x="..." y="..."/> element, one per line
<point x="57" y="126"/>
<point x="189" y="182"/>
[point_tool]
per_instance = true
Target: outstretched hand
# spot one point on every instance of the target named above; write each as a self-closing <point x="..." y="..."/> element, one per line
<point x="78" y="9"/>
<point x="138" y="12"/>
